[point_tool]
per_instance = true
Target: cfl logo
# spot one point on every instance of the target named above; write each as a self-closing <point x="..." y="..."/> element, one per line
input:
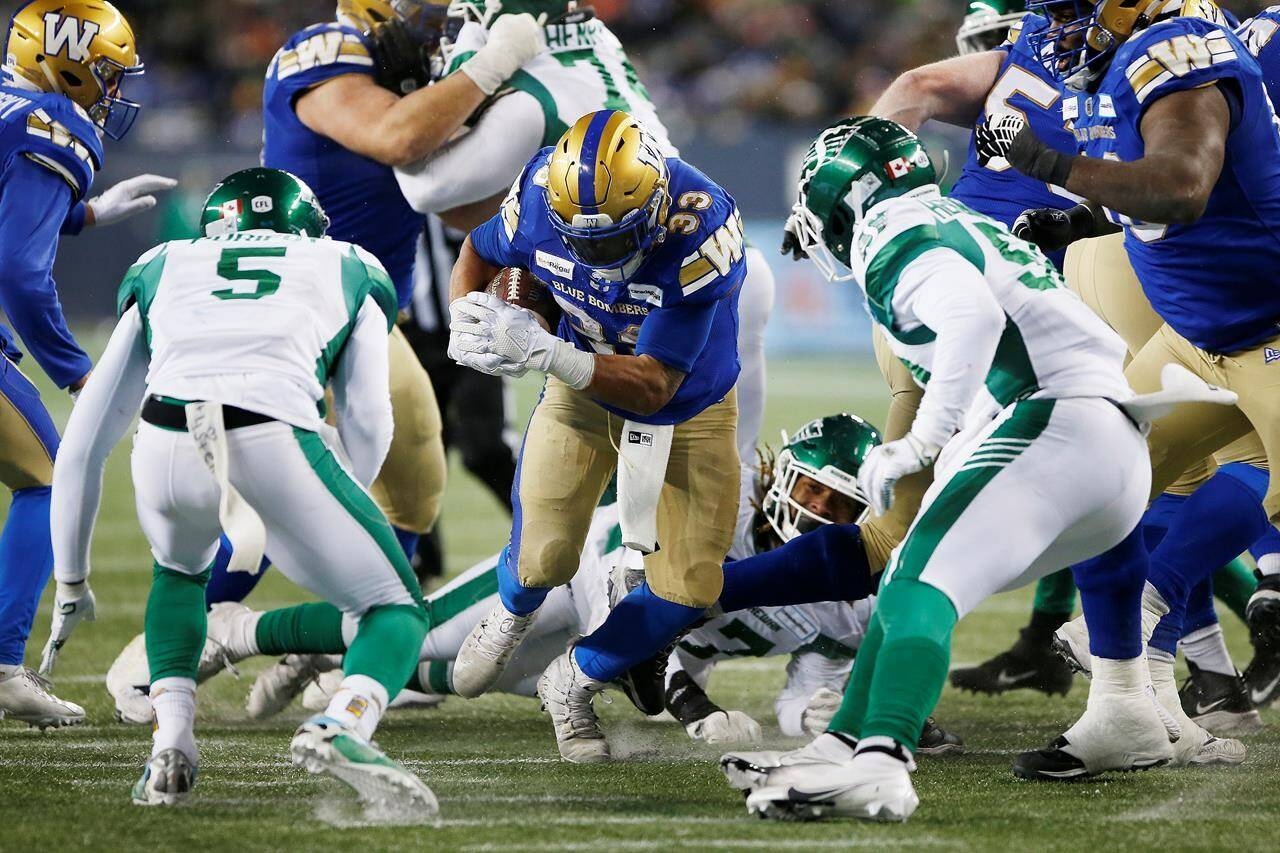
<point x="63" y="32"/>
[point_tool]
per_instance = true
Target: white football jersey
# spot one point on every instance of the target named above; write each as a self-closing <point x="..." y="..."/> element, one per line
<point x="1052" y="345"/>
<point x="583" y="69"/>
<point x="255" y="319"/>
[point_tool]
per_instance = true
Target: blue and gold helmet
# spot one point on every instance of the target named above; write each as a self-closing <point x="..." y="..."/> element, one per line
<point x="607" y="190"/>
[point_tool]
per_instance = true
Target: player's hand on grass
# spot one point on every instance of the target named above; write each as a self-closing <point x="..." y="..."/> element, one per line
<point x="822" y="706"/>
<point x="725" y="727"/>
<point x="125" y="199"/>
<point x="72" y="604"/>
<point x="888" y="463"/>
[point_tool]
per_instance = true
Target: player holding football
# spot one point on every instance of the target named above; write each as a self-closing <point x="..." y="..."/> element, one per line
<point x="1035" y="432"/>
<point x="230" y="340"/>
<point x="1181" y="151"/>
<point x="61" y="90"/>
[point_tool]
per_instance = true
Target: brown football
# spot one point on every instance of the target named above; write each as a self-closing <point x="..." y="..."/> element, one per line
<point x="525" y="290"/>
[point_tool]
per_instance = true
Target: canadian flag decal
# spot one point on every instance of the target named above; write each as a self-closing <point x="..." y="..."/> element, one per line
<point x="897" y="167"/>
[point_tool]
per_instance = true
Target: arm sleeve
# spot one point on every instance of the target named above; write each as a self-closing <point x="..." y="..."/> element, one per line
<point x="33" y="205"/>
<point x="362" y="396"/>
<point x="946" y="293"/>
<point x="100" y="418"/>
<point x="507" y="135"/>
<point x="754" y="307"/>
<point x="806" y="673"/>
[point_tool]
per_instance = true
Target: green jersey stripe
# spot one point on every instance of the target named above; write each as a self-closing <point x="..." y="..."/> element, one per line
<point x="883" y="273"/>
<point x="448" y="603"/>
<point x="1012" y="375"/>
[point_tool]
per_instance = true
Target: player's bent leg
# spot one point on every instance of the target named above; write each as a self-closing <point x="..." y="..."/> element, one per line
<point x="565" y="463"/>
<point x="410" y="485"/>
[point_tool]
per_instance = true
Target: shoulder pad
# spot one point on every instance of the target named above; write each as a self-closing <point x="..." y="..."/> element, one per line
<point x="535" y="172"/>
<point x="1030" y="23"/>
<point x="323" y="51"/>
<point x="714" y="259"/>
<point x="141" y="280"/>
<point x="60" y="137"/>
<point x="1181" y="53"/>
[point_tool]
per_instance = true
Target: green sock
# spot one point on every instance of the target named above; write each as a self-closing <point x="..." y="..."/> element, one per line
<point x="1233" y="584"/>
<point x="306" y="628"/>
<point x="911" y="667"/>
<point x="387" y="645"/>
<point x="175" y="622"/>
<point x="848" y="719"/>
<point x="1056" y="593"/>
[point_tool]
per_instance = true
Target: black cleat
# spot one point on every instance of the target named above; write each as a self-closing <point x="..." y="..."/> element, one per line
<point x="1218" y="703"/>
<point x="935" y="740"/>
<point x="1262" y="676"/>
<point x="1023" y="665"/>
<point x="1055" y="764"/>
<point x="645" y="684"/>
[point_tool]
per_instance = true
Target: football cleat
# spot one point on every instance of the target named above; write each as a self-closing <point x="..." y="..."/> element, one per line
<point x="129" y="683"/>
<point x="279" y="683"/>
<point x="320" y="691"/>
<point x="324" y="745"/>
<point x="487" y="650"/>
<point x="1262" y="676"/>
<point x="1071" y="644"/>
<point x="880" y="791"/>
<point x="28" y="698"/>
<point x="1195" y="746"/>
<point x="1023" y="666"/>
<point x="935" y="740"/>
<point x="1219" y="703"/>
<point x="167" y="779"/>
<point x="566" y="695"/>
<point x="750" y="771"/>
<point x="227" y="639"/>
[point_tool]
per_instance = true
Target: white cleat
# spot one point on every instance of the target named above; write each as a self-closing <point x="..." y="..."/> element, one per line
<point x="1196" y="746"/>
<point x="129" y="683"/>
<point x="167" y="780"/>
<point x="319" y="692"/>
<point x="414" y="699"/>
<point x="26" y="697"/>
<point x="323" y="745"/>
<point x="281" y="682"/>
<point x="566" y="695"/>
<point x="869" y="787"/>
<point x="228" y="639"/>
<point x="487" y="650"/>
<point x="750" y="771"/>
<point x="1071" y="642"/>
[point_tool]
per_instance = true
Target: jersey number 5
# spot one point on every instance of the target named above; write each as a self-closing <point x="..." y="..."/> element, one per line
<point x="1017" y="81"/>
<point x="229" y="268"/>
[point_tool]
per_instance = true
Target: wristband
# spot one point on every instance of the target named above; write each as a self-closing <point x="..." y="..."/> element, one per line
<point x="687" y="702"/>
<point x="1033" y="158"/>
<point x="571" y="365"/>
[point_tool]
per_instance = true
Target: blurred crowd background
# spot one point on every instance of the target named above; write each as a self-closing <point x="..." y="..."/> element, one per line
<point x="742" y="85"/>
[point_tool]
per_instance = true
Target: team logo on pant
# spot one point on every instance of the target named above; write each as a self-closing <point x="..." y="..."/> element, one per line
<point x="1270" y="354"/>
<point x="644" y="439"/>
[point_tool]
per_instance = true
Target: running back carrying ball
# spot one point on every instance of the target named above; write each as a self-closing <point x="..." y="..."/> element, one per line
<point x="525" y="290"/>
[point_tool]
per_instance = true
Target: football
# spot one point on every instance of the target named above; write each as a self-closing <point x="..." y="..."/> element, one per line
<point x="525" y="290"/>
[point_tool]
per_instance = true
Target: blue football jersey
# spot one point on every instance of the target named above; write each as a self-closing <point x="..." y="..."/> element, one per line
<point x="680" y="306"/>
<point x="360" y="195"/>
<point x="1209" y="279"/>
<point x="1022" y="85"/>
<point x="54" y="132"/>
<point x="1259" y="35"/>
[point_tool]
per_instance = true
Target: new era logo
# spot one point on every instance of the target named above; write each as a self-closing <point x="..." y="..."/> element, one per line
<point x="644" y="439"/>
<point x="1270" y="354"/>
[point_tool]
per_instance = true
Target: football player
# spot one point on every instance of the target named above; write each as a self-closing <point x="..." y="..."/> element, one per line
<point x="1156" y="129"/>
<point x="1021" y="387"/>
<point x="61" y="91"/>
<point x="231" y="440"/>
<point x="645" y="256"/>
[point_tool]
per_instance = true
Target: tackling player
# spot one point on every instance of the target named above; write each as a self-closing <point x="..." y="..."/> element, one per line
<point x="61" y="90"/>
<point x="1022" y="383"/>
<point x="1182" y="153"/>
<point x="230" y="440"/>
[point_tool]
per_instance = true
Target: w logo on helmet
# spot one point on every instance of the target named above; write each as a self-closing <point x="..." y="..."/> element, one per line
<point x="73" y="34"/>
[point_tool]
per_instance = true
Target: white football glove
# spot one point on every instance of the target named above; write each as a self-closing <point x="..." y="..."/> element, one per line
<point x="72" y="603"/>
<point x="127" y="198"/>
<point x="725" y="727"/>
<point x="471" y="333"/>
<point x="993" y="138"/>
<point x="822" y="706"/>
<point x="886" y="464"/>
<point x="513" y="41"/>
<point x="495" y="337"/>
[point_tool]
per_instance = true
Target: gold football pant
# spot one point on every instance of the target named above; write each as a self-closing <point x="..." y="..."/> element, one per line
<point x="1098" y="270"/>
<point x="411" y="483"/>
<point x="569" y="454"/>
<point x="28" y="438"/>
<point x="880" y="535"/>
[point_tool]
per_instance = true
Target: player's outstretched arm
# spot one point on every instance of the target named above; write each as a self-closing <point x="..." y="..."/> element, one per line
<point x="952" y="91"/>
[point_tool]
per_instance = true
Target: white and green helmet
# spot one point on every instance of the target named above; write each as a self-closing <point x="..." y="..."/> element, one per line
<point x="852" y="166"/>
<point x="484" y="12"/>
<point x="829" y="450"/>
<point x="986" y="24"/>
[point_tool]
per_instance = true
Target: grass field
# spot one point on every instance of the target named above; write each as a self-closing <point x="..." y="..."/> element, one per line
<point x="493" y="762"/>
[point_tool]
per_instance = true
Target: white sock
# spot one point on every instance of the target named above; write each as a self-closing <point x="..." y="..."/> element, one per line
<point x="7" y="670"/>
<point x="1119" y="677"/>
<point x="1153" y="608"/>
<point x="1207" y="649"/>
<point x="173" y="701"/>
<point x="1269" y="564"/>
<point x="358" y="704"/>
